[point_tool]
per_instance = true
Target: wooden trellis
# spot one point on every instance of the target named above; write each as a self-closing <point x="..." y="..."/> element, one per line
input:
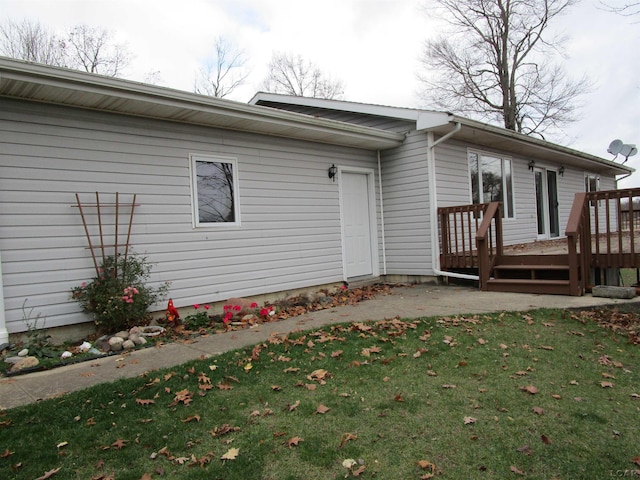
<point x="103" y="212"/>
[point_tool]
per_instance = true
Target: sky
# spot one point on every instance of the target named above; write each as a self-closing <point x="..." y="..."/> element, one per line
<point x="373" y="46"/>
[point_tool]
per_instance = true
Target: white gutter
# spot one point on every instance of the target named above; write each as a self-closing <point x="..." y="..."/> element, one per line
<point x="4" y="334"/>
<point x="384" y="247"/>
<point x="433" y="202"/>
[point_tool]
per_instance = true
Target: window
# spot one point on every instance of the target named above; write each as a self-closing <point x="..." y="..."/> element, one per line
<point x="491" y="180"/>
<point x="214" y="183"/>
<point x="591" y="184"/>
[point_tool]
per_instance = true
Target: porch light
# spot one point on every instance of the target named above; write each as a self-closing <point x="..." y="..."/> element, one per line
<point x="332" y="172"/>
<point x="561" y="171"/>
<point x="532" y="165"/>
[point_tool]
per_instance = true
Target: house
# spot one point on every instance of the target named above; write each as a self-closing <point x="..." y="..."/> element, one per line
<point x="231" y="199"/>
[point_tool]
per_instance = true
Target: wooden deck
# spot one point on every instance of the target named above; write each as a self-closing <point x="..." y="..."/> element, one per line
<point x="596" y="242"/>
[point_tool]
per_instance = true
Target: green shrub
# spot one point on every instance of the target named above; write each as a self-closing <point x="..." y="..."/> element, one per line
<point x="119" y="297"/>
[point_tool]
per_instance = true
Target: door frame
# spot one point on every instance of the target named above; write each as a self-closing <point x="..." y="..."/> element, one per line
<point x="546" y="207"/>
<point x="373" y="222"/>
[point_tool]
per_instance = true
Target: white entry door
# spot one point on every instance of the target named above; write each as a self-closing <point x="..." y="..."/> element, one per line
<point x="356" y="223"/>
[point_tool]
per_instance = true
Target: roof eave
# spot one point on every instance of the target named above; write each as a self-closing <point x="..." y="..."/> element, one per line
<point x="59" y="86"/>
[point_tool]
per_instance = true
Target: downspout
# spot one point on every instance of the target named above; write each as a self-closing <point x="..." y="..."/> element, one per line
<point x="433" y="202"/>
<point x="4" y="334"/>
<point x="384" y="247"/>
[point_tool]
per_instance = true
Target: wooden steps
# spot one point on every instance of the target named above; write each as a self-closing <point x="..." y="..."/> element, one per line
<point x="541" y="274"/>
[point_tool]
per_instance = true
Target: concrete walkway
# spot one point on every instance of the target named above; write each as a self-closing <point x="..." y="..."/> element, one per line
<point x="406" y="302"/>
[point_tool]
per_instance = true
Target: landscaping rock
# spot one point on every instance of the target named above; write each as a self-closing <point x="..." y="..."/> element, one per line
<point x="115" y="343"/>
<point x="23" y="363"/>
<point x="128" y="345"/>
<point x="124" y="334"/>
<point x="608" y="291"/>
<point x="12" y="360"/>
<point x="24" y="352"/>
<point x="102" y="344"/>
<point x="249" y="318"/>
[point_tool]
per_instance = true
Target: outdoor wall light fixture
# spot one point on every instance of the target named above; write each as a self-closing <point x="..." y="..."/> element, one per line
<point x="561" y="171"/>
<point x="332" y="172"/>
<point x="532" y="164"/>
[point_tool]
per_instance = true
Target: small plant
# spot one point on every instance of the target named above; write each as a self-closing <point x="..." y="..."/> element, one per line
<point x="38" y="340"/>
<point x="199" y="319"/>
<point x="118" y="297"/>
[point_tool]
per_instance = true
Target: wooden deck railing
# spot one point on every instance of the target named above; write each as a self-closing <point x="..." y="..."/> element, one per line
<point x="489" y="241"/>
<point x="598" y="237"/>
<point x="470" y="237"/>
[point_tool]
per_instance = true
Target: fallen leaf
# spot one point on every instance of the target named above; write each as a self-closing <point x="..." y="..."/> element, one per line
<point x="503" y="346"/>
<point x="336" y="354"/>
<point x="191" y="418"/>
<point x="7" y="453"/>
<point x="526" y="450"/>
<point x="482" y="341"/>
<point x="62" y="444"/>
<point x="119" y="444"/>
<point x="293" y="406"/>
<point x="545" y="439"/>
<point x="398" y="398"/>
<point x="226" y="428"/>
<point x="224" y="386"/>
<point x="557" y="397"/>
<point x="446" y="385"/>
<point x="636" y="460"/>
<point x="322" y="409"/>
<point x="545" y="347"/>
<point x="276" y="388"/>
<point x="142" y="401"/>
<point x="538" y="410"/>
<point x="49" y="474"/>
<point x="231" y="454"/>
<point x="310" y="386"/>
<point x="606" y="384"/>
<point x="346" y="437"/>
<point x="529" y="389"/>
<point x="469" y="420"/>
<point x="608" y="375"/>
<point x="358" y="471"/>
<point x="516" y="470"/>
<point x="294" y="441"/>
<point x="349" y="463"/>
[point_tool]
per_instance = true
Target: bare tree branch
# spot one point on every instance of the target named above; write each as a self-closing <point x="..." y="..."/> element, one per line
<point x="496" y="64"/>
<point x="292" y="75"/>
<point x="225" y="73"/>
<point x="82" y="48"/>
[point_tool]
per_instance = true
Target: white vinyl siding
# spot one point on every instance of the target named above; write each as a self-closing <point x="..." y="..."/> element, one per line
<point x="406" y="208"/>
<point x="289" y="238"/>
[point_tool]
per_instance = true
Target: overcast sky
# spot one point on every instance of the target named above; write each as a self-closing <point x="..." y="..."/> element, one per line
<point x="373" y="46"/>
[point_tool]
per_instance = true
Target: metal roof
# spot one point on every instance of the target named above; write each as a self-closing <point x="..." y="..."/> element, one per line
<point x="59" y="86"/>
<point x="471" y="131"/>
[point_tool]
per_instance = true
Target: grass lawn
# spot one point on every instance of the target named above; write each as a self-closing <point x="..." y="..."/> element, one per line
<point x="544" y="394"/>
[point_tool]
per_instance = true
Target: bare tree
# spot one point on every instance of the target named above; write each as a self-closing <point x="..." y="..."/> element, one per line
<point x="93" y="50"/>
<point x="292" y="75"/>
<point x="226" y="72"/>
<point x="627" y="9"/>
<point x="496" y="64"/>
<point x="31" y="41"/>
<point x="82" y="48"/>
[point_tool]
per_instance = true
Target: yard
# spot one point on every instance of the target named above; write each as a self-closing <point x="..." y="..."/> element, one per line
<point x="543" y="394"/>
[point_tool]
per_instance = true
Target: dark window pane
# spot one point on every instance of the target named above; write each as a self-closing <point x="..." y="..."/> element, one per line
<point x="215" y="192"/>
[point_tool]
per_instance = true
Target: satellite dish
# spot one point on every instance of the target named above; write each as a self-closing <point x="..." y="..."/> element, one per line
<point x="628" y="150"/>
<point x="615" y="147"/>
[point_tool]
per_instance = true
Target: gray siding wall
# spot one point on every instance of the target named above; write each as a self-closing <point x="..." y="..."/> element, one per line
<point x="405" y="191"/>
<point x="453" y="188"/>
<point x="289" y="237"/>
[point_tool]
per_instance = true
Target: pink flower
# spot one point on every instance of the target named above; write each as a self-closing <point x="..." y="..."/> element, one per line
<point x="227" y="318"/>
<point x="343" y="287"/>
<point x="227" y="308"/>
<point x="196" y="306"/>
<point x="237" y="308"/>
<point x="84" y="284"/>
<point x="254" y="305"/>
<point x="264" y="312"/>
<point x="207" y="307"/>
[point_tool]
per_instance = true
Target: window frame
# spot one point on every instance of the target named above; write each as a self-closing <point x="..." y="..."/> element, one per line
<point x="194" y="158"/>
<point x="508" y="207"/>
